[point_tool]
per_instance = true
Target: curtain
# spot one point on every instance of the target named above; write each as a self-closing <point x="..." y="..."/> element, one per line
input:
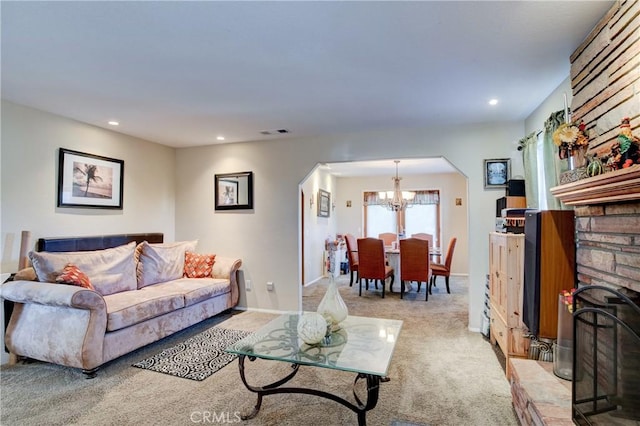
<point x="550" y="158"/>
<point x="421" y="197"/>
<point x="529" y="147"/>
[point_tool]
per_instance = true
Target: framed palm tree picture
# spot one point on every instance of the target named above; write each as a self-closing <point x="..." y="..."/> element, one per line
<point x="88" y="180"/>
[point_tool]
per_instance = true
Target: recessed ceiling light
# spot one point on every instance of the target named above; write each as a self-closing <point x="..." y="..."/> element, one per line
<point x="114" y="123"/>
<point x="220" y="138"/>
<point x="493" y="102"/>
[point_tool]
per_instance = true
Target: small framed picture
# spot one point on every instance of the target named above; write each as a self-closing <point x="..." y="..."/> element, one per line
<point x="234" y="191"/>
<point x="496" y="173"/>
<point x="324" y="201"/>
<point x="87" y="180"/>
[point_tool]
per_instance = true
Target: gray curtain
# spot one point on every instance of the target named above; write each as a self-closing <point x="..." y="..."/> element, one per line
<point x="529" y="147"/>
<point x="551" y="159"/>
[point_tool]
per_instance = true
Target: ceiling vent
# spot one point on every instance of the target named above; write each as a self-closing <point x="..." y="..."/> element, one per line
<point x="275" y="132"/>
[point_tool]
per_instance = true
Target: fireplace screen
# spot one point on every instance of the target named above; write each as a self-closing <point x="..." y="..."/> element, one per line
<point x="606" y="363"/>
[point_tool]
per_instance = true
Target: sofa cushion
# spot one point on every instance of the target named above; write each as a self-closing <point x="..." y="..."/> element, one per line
<point x="195" y="290"/>
<point x="132" y="307"/>
<point x="198" y="265"/>
<point x="161" y="262"/>
<point x="110" y="270"/>
<point x="72" y="275"/>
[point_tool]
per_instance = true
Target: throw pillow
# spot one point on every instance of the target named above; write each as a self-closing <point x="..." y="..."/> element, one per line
<point x="72" y="275"/>
<point x="26" y="274"/>
<point x="198" y="265"/>
<point x="110" y="270"/>
<point x="162" y="262"/>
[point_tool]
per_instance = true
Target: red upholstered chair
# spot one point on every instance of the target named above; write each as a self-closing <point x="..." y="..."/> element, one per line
<point x="423" y="236"/>
<point x="440" y="270"/>
<point x="352" y="256"/>
<point x="371" y="263"/>
<point x="414" y="264"/>
<point x="388" y="238"/>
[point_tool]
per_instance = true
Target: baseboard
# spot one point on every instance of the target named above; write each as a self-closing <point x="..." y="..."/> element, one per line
<point x="312" y="282"/>
<point x="267" y="311"/>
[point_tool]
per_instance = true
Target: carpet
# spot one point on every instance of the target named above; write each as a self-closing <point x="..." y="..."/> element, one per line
<point x="197" y="357"/>
<point x="441" y="374"/>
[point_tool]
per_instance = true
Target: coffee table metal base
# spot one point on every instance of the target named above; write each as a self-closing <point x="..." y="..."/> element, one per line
<point x="360" y="408"/>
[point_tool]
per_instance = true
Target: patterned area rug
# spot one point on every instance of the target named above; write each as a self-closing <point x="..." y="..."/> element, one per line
<point x="197" y="357"/>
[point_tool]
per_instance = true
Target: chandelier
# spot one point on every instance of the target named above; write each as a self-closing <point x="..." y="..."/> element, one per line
<point x="396" y="200"/>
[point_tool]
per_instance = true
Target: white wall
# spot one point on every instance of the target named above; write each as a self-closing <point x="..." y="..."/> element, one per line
<point x="29" y="144"/>
<point x="317" y="229"/>
<point x="267" y="238"/>
<point x="454" y="219"/>
<point x="171" y="191"/>
<point x="554" y="102"/>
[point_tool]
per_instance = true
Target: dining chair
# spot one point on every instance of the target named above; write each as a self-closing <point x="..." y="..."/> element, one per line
<point x="414" y="264"/>
<point x="352" y="256"/>
<point x="372" y="264"/>
<point x="388" y="238"/>
<point x="443" y="270"/>
<point x="424" y="236"/>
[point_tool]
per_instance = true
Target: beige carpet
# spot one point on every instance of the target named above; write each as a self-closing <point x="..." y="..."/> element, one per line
<point x="441" y="374"/>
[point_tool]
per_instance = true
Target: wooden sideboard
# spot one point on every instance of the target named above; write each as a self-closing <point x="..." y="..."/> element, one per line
<point x="506" y="279"/>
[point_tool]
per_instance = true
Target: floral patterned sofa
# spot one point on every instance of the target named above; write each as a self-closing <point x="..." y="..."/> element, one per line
<point x="86" y="301"/>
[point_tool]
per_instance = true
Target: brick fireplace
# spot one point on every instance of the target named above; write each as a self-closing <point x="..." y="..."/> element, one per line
<point x="607" y="209"/>
<point x="608" y="245"/>
<point x="607" y="359"/>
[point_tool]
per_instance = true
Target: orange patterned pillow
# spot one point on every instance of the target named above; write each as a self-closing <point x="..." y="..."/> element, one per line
<point x="72" y="275"/>
<point x="198" y="265"/>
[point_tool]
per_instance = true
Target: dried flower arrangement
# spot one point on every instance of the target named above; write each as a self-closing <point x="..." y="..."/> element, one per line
<point x="569" y="137"/>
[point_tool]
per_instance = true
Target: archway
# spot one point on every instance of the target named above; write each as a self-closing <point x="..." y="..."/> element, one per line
<point x="346" y="182"/>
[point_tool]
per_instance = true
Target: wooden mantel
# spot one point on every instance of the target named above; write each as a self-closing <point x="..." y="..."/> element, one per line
<point x="611" y="187"/>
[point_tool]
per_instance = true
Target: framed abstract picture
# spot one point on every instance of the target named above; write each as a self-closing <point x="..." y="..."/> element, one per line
<point x="88" y="180"/>
<point x="496" y="173"/>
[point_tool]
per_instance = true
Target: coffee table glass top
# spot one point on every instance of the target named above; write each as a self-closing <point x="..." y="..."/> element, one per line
<point x="361" y="345"/>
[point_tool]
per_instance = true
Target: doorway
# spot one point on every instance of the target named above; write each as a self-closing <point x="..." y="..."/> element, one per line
<point x="347" y="182"/>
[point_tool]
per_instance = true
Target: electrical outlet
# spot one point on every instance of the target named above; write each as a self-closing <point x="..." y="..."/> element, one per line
<point x="247" y="285"/>
<point x="270" y="285"/>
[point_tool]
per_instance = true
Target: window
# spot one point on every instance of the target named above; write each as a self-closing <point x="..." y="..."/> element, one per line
<point x="379" y="219"/>
<point x="422" y="216"/>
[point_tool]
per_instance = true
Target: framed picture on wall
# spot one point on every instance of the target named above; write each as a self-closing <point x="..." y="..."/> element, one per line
<point x="324" y="202"/>
<point x="88" y="180"/>
<point x="233" y="191"/>
<point x="496" y="173"/>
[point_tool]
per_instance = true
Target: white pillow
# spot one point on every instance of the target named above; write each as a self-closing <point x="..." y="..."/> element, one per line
<point x="161" y="262"/>
<point x="110" y="270"/>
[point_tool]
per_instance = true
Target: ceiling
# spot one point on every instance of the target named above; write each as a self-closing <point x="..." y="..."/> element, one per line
<point x="183" y="73"/>
<point x="410" y="166"/>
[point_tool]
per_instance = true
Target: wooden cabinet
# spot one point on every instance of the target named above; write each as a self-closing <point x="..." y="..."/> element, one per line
<point x="506" y="277"/>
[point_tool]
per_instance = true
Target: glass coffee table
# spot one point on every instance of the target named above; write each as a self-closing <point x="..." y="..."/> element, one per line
<point x="362" y="345"/>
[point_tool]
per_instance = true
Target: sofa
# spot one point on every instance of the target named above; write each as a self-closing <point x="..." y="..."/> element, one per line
<point x="86" y="301"/>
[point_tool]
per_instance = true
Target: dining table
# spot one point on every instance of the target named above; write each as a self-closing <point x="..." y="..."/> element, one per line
<point x="393" y="257"/>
